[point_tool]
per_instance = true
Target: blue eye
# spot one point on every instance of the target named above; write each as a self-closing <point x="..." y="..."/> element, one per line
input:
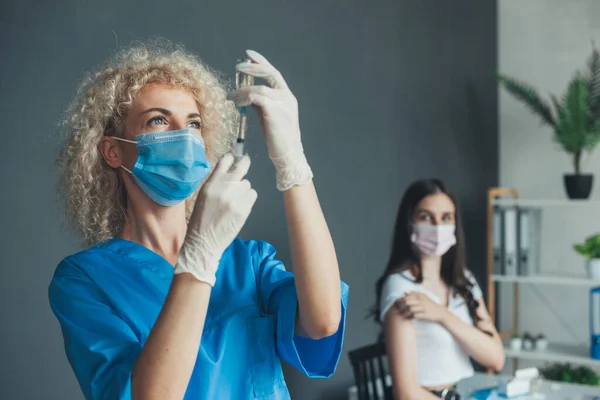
<point x="157" y="121"/>
<point x="195" y="124"/>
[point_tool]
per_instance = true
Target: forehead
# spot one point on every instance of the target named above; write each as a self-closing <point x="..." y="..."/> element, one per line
<point x="437" y="203"/>
<point x="165" y="96"/>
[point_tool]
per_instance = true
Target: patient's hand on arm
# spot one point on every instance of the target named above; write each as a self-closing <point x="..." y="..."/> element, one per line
<point x="481" y="342"/>
<point x="419" y="305"/>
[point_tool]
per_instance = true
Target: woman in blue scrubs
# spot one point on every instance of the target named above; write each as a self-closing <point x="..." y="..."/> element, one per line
<point x="167" y="303"/>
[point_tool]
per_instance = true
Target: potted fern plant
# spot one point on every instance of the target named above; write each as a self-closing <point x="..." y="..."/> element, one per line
<point x="575" y="118"/>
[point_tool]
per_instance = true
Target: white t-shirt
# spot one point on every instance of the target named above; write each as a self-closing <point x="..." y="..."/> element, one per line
<point x="440" y="358"/>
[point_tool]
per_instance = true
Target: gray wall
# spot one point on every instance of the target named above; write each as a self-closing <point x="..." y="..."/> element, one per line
<point x="389" y="91"/>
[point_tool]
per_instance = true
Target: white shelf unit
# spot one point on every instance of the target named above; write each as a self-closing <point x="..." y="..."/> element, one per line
<point x="575" y="354"/>
<point x="543" y="203"/>
<point x="547" y="280"/>
<point x="561" y="353"/>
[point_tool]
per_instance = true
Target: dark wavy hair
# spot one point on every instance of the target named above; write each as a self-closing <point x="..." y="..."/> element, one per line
<point x="405" y="256"/>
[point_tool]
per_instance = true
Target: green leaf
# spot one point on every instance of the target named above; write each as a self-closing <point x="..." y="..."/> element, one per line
<point x="592" y="139"/>
<point x="580" y="249"/>
<point x="528" y="95"/>
<point x="593" y="78"/>
<point x="576" y="101"/>
<point x="567" y="373"/>
<point x="571" y="126"/>
<point x="557" y="106"/>
<point x="591" y="247"/>
<point x="562" y="126"/>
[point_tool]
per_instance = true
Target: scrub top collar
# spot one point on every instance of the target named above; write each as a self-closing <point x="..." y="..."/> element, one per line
<point x="142" y="255"/>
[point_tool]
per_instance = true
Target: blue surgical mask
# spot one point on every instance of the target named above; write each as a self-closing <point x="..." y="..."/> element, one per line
<point x="170" y="165"/>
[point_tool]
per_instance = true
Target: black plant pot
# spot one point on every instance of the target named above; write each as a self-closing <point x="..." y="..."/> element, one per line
<point x="578" y="187"/>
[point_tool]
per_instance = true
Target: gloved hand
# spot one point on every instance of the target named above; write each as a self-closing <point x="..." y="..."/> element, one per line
<point x="223" y="205"/>
<point x="278" y="113"/>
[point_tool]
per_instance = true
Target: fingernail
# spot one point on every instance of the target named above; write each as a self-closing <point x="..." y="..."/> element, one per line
<point x="252" y="53"/>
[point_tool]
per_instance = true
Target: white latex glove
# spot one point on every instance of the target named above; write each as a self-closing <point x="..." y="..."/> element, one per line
<point x="223" y="205"/>
<point x="278" y="112"/>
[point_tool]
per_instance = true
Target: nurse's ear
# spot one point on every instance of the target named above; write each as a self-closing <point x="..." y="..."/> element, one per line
<point x="111" y="151"/>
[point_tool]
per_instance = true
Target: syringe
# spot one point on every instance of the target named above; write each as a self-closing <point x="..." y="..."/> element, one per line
<point x="241" y="80"/>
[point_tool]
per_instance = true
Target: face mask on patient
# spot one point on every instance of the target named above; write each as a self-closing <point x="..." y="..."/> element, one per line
<point x="170" y="165"/>
<point x="433" y="240"/>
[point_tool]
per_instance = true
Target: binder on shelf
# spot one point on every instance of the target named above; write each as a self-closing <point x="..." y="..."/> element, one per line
<point x="516" y="240"/>
<point x="509" y="241"/>
<point x="523" y="233"/>
<point x="529" y="241"/>
<point x="497" y="241"/>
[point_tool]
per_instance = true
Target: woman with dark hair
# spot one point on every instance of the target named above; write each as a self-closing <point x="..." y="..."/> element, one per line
<point x="431" y="307"/>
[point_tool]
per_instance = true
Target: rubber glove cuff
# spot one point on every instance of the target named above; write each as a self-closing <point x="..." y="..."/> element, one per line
<point x="292" y="170"/>
<point x="194" y="260"/>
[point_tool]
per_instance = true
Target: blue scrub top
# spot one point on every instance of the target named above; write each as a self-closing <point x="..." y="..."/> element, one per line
<point x="108" y="297"/>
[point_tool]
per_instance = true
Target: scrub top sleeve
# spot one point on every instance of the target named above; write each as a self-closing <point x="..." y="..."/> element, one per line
<point x="314" y="358"/>
<point x="101" y="347"/>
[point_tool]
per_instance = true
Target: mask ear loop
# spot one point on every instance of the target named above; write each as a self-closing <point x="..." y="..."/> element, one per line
<point x="128" y="141"/>
<point x="124" y="140"/>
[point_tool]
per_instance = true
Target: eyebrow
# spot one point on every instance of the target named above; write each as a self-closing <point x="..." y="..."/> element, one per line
<point x="422" y="210"/>
<point x="167" y="112"/>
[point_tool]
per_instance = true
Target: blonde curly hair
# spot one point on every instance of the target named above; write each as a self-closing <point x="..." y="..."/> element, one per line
<point x="93" y="191"/>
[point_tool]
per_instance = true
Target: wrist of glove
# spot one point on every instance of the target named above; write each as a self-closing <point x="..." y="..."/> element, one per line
<point x="196" y="258"/>
<point x="292" y="170"/>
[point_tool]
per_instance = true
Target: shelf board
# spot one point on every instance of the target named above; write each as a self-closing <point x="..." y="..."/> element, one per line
<point x="561" y="353"/>
<point x="543" y="203"/>
<point x="547" y="280"/>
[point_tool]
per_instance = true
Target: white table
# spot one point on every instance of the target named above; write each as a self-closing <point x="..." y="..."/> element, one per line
<point x="550" y="390"/>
